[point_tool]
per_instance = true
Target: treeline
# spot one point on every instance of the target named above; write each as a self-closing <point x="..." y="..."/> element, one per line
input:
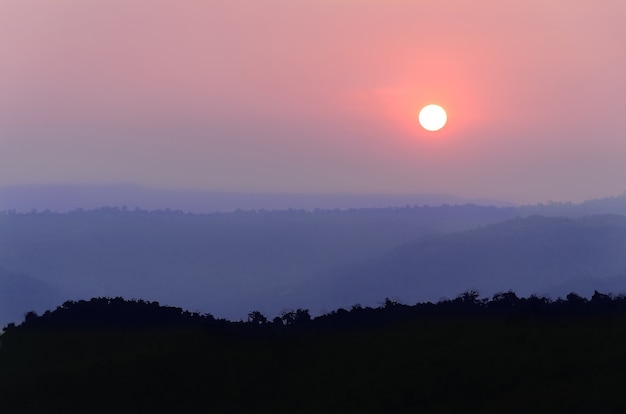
<point x="466" y="354"/>
<point x="119" y="313"/>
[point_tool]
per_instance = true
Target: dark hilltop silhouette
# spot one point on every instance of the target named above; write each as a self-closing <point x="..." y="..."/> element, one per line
<point x="467" y="354"/>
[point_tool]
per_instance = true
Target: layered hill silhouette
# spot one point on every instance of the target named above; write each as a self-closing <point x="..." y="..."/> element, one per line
<point x="229" y="263"/>
<point x="533" y="255"/>
<point x="221" y="263"/>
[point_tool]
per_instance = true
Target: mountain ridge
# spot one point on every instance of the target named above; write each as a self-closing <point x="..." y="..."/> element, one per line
<point x="527" y="255"/>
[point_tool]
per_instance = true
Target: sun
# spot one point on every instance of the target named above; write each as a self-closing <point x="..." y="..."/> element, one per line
<point x="432" y="117"/>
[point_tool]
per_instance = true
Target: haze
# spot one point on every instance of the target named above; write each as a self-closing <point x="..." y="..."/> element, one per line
<point x="316" y="96"/>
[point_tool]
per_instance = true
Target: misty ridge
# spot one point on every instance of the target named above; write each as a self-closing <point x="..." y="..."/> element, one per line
<point x="230" y="263"/>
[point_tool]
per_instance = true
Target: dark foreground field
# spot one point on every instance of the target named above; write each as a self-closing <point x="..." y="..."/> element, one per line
<point x="463" y="356"/>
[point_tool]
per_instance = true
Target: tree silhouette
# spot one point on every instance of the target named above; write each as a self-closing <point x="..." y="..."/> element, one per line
<point x="30" y="316"/>
<point x="299" y="316"/>
<point x="257" y="318"/>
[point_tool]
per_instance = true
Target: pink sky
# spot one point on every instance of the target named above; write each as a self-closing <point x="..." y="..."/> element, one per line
<point x="316" y="96"/>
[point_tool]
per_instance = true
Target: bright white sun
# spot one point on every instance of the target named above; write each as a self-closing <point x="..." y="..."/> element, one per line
<point x="432" y="117"/>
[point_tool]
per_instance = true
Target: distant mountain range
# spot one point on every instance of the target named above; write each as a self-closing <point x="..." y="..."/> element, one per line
<point x="534" y="255"/>
<point x="224" y="263"/>
<point x="606" y="205"/>
<point x="64" y="198"/>
<point x="231" y="263"/>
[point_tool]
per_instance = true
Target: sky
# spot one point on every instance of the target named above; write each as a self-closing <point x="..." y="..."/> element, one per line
<point x="316" y="96"/>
